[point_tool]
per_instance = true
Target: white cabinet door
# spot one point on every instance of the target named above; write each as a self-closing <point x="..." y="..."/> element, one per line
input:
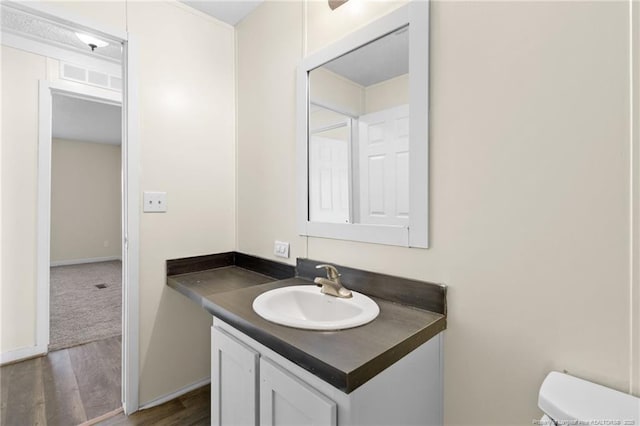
<point x="234" y="377"/>
<point x="287" y="401"/>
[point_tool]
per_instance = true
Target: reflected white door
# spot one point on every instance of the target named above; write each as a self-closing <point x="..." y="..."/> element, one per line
<point x="328" y="180"/>
<point x="384" y="166"/>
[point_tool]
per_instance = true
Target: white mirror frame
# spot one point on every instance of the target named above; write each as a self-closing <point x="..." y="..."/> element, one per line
<point x="416" y="14"/>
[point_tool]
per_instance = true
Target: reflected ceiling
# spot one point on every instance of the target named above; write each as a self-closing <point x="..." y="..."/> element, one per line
<point x="378" y="61"/>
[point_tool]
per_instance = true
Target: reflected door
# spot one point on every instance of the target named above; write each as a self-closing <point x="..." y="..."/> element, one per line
<point x="328" y="180"/>
<point x="384" y="166"/>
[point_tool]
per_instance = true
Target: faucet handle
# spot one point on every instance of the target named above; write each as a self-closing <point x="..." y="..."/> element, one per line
<point x="332" y="272"/>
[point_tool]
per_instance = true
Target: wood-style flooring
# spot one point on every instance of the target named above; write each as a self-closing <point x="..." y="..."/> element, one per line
<point x="66" y="387"/>
<point x="190" y="409"/>
<point x="75" y="385"/>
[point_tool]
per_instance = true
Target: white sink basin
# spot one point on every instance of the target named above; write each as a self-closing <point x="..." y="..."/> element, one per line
<point x="304" y="306"/>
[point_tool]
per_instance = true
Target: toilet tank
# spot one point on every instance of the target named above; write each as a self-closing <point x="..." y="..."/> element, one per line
<point x="567" y="398"/>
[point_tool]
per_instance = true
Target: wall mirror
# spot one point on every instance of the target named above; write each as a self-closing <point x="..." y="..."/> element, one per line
<point x="363" y="133"/>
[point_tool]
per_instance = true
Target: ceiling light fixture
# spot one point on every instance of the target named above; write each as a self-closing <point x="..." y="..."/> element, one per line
<point x="91" y="41"/>
<point x="334" y="4"/>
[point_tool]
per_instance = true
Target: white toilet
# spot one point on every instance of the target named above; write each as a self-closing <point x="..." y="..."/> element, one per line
<point x="567" y="400"/>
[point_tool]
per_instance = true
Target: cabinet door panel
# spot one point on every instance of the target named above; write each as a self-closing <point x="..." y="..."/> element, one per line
<point x="234" y="375"/>
<point x="287" y="401"/>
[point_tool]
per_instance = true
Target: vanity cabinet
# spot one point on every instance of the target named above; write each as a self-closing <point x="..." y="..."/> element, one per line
<point x="286" y="400"/>
<point x="238" y="387"/>
<point x="253" y="385"/>
<point x="234" y="381"/>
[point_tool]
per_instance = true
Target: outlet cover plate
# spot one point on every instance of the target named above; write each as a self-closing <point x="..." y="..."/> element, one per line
<point x="281" y="249"/>
<point x="154" y="202"/>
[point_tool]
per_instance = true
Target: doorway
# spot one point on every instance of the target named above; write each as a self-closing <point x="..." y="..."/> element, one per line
<point x="85" y="280"/>
<point x="82" y="319"/>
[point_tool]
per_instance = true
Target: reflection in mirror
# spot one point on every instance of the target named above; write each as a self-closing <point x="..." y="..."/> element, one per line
<point x="358" y="140"/>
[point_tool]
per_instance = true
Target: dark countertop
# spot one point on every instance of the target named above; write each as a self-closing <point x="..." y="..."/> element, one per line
<point x="346" y="359"/>
<point x="197" y="286"/>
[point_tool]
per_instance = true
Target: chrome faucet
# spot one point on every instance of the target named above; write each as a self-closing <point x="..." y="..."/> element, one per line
<point x="332" y="285"/>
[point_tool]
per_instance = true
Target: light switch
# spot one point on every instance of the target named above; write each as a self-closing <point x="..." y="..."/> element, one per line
<point x="154" y="202"/>
<point x="281" y="249"/>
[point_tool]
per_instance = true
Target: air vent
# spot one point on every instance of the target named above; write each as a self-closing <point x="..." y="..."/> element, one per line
<point x="98" y="78"/>
<point x="74" y="73"/>
<point x="116" y="83"/>
<point x="92" y="77"/>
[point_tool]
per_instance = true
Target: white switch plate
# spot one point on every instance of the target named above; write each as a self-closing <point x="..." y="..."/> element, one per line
<point x="154" y="202"/>
<point x="281" y="249"/>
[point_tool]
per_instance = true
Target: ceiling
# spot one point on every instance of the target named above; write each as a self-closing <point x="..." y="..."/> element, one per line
<point x="229" y="11"/>
<point x="81" y="120"/>
<point x="377" y="61"/>
<point x="24" y="24"/>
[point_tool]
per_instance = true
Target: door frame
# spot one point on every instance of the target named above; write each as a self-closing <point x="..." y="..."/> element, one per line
<point x="130" y="190"/>
<point x="46" y="90"/>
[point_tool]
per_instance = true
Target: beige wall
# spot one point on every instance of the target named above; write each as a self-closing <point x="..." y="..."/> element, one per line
<point x="268" y="40"/>
<point x="333" y="90"/>
<point x="85" y="200"/>
<point x="187" y="121"/>
<point x="529" y="186"/>
<point x="20" y="73"/>
<point x="188" y="149"/>
<point x="387" y="94"/>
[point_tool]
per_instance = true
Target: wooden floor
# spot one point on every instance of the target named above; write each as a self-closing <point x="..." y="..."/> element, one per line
<point x="190" y="409"/>
<point x="72" y="386"/>
<point x="66" y="387"/>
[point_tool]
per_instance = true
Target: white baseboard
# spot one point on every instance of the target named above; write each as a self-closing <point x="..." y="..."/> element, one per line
<point x="176" y="394"/>
<point x="22" y="353"/>
<point x="103" y="417"/>
<point x="81" y="261"/>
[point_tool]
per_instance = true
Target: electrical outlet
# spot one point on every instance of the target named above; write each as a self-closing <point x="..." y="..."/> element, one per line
<point x="281" y="249"/>
<point x="155" y="202"/>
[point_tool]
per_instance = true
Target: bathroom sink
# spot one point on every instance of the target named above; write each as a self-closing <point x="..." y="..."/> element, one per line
<point x="304" y="306"/>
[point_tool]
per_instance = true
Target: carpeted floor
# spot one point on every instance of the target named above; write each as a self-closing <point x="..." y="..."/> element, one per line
<point x="80" y="312"/>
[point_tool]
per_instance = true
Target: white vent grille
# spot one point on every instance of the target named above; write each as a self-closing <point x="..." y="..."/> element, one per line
<point x="74" y="73"/>
<point x="116" y="83"/>
<point x="92" y="77"/>
<point x="98" y="78"/>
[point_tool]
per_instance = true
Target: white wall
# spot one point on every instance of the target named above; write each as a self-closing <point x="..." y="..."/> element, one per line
<point x="85" y="200"/>
<point x="530" y="179"/>
<point x="187" y="122"/>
